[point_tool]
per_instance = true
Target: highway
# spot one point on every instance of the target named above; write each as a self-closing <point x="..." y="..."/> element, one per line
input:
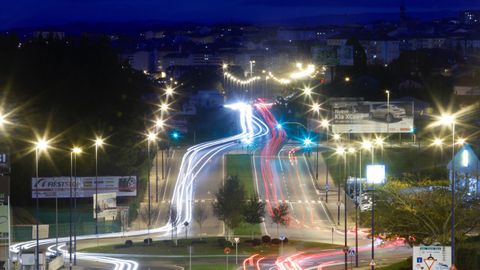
<point x="192" y="164"/>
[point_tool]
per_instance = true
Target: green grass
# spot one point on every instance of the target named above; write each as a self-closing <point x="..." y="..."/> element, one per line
<point x="212" y="246"/>
<point x="241" y="166"/>
<point x="403" y="265"/>
<point x="248" y="229"/>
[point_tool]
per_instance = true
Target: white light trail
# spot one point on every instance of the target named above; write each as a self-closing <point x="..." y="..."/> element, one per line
<point x="194" y="160"/>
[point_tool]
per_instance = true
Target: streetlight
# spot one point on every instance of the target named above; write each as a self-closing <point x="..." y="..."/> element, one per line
<point x="151" y="137"/>
<point x="159" y="124"/>
<point x="98" y="143"/>
<point x="73" y="174"/>
<point x="169" y="91"/>
<point x="164" y="107"/>
<point x="388" y="110"/>
<point x="337" y="137"/>
<point x="449" y="120"/>
<point x="324" y="123"/>
<point x="352" y="151"/>
<point x="2" y="120"/>
<point x="315" y="107"/>
<point x="341" y="151"/>
<point x="307" y="91"/>
<point x="347" y="79"/>
<point x="40" y="145"/>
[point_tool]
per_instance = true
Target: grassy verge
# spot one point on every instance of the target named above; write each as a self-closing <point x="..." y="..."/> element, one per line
<point x="403" y="265"/>
<point x="241" y="166"/>
<point x="247" y="229"/>
<point x="209" y="246"/>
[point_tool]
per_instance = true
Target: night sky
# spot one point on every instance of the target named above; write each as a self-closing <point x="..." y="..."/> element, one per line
<point x="19" y="13"/>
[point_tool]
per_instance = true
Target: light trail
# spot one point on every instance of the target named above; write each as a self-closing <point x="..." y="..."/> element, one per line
<point x="194" y="160"/>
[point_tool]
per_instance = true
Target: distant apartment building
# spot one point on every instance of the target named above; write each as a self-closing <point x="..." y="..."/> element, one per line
<point x="49" y="34"/>
<point x="381" y="52"/>
<point x="296" y="35"/>
<point x="142" y="60"/>
<point x="470" y="16"/>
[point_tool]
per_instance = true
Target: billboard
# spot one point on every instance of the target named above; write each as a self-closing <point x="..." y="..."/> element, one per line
<point x="431" y="258"/>
<point x="107" y="205"/>
<point x="372" y="117"/>
<point x="376" y="174"/>
<point x="51" y="187"/>
<point x="4" y="219"/>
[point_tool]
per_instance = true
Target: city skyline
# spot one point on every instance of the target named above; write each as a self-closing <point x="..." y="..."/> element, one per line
<point x="27" y="13"/>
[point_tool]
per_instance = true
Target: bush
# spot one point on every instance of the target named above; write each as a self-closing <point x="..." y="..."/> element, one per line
<point x="128" y="243"/>
<point x="276" y="241"/>
<point x="285" y="240"/>
<point x="223" y="243"/>
<point x="168" y="242"/>
<point x="266" y="239"/>
<point x="199" y="241"/>
<point x="147" y="241"/>
<point x="468" y="258"/>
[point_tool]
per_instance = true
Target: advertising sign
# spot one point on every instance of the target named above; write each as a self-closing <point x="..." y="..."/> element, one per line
<point x="372" y="117"/>
<point x="107" y="205"/>
<point x="4" y="219"/>
<point x="42" y="231"/>
<point x="376" y="174"/>
<point x="431" y="258"/>
<point x="51" y="187"/>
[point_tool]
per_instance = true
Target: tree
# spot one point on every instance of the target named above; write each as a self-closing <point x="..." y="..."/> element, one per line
<point x="229" y="203"/>
<point x="172" y="219"/>
<point x="143" y="213"/>
<point x="280" y="215"/>
<point x="200" y="215"/>
<point x="421" y="212"/>
<point x="254" y="211"/>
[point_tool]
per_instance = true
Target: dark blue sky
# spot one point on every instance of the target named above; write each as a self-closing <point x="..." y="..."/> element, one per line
<point x="15" y="13"/>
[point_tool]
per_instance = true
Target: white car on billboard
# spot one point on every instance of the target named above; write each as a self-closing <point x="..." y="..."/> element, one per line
<point x="388" y="113"/>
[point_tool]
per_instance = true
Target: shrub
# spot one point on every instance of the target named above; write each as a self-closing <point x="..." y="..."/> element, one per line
<point x="285" y="240"/>
<point x="266" y="239"/>
<point x="147" y="241"/>
<point x="276" y="241"/>
<point x="128" y="243"/>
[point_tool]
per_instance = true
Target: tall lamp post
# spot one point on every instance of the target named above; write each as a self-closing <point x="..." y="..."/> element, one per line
<point x="98" y="143"/>
<point x="449" y="120"/>
<point x="159" y="123"/>
<point x="325" y="124"/>
<point x="352" y="151"/>
<point x="75" y="152"/>
<point x="388" y="111"/>
<point x="151" y="137"/>
<point x="337" y="138"/>
<point x="40" y="145"/>
<point x="316" y="109"/>
<point x="341" y="151"/>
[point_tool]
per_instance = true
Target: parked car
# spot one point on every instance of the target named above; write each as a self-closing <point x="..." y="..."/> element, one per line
<point x="388" y="113"/>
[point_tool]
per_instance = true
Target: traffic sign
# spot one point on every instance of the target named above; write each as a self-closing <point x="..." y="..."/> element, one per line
<point x="282" y="237"/>
<point x="226" y="250"/>
<point x="351" y="252"/>
<point x="372" y="263"/>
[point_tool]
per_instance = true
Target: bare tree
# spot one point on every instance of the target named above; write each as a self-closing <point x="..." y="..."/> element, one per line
<point x="143" y="212"/>
<point x="200" y="215"/>
<point x="280" y="215"/>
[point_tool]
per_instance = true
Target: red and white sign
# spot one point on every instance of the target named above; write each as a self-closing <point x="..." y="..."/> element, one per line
<point x="51" y="187"/>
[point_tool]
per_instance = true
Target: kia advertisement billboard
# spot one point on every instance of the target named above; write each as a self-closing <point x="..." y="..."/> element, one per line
<point x="51" y="187"/>
<point x="372" y="117"/>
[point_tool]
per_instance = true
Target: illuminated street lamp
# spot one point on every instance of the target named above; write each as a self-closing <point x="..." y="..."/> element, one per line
<point x="98" y="143"/>
<point x="324" y="123"/>
<point x="73" y="184"/>
<point x="315" y="107"/>
<point x="347" y="79"/>
<point x="169" y="91"/>
<point x="337" y="137"/>
<point x="2" y="120"/>
<point x="164" y="107"/>
<point x="40" y="146"/>
<point x="461" y="141"/>
<point x="159" y="124"/>
<point x="307" y="91"/>
<point x="449" y="121"/>
<point x="151" y="137"/>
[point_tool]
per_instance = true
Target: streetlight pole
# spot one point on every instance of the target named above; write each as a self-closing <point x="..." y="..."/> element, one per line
<point x="37" y="260"/>
<point x="345" y="206"/>
<point x="388" y="110"/>
<point x="156" y="165"/>
<point x="150" y="137"/>
<point x="453" y="195"/>
<point x="325" y="124"/>
<point x="41" y="145"/>
<point x="70" y="212"/>
<point x="98" y="143"/>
